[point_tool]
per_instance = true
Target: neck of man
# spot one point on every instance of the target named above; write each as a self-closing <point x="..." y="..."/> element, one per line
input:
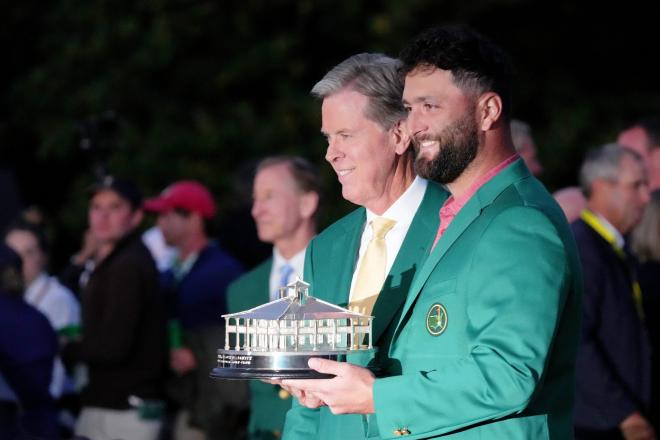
<point x="103" y="250"/>
<point x="491" y="153"/>
<point x="599" y="206"/>
<point x="32" y="279"/>
<point x="289" y="246"/>
<point x="402" y="177"/>
<point x="192" y="244"/>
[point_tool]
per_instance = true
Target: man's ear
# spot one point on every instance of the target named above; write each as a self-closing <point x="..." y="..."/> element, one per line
<point x="489" y="109"/>
<point x="309" y="203"/>
<point x="400" y="137"/>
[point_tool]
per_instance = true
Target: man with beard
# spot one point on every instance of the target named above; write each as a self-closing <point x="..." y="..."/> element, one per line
<point x="366" y="260"/>
<point x="487" y="336"/>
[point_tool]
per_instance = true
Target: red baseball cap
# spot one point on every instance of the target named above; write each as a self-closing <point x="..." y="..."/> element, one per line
<point x="185" y="194"/>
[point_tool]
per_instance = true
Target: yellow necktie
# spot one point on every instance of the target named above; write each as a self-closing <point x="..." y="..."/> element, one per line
<point x="371" y="273"/>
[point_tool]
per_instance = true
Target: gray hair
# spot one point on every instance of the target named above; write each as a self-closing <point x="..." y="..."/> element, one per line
<point x="603" y="163"/>
<point x="645" y="237"/>
<point x="519" y="132"/>
<point x="373" y="75"/>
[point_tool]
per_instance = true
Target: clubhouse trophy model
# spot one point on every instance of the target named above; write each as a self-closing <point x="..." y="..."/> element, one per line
<point x="275" y="340"/>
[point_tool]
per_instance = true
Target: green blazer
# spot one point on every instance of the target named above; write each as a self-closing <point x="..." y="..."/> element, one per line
<point x="329" y="265"/>
<point x="268" y="403"/>
<point x="488" y="334"/>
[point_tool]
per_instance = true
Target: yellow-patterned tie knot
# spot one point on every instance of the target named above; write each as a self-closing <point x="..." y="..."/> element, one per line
<point x="371" y="271"/>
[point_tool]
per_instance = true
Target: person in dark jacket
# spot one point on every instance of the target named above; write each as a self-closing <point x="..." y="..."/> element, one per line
<point x="28" y="346"/>
<point x="124" y="340"/>
<point x="613" y="370"/>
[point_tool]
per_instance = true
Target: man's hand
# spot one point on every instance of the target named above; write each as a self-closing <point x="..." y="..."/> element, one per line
<point x="636" y="427"/>
<point x="182" y="360"/>
<point x="350" y="392"/>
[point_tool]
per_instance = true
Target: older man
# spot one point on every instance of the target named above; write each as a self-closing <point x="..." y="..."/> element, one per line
<point x="366" y="260"/>
<point x="613" y="368"/>
<point x="286" y="194"/>
<point x="485" y="343"/>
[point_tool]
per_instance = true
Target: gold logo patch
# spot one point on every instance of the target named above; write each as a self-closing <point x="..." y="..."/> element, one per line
<point x="436" y="319"/>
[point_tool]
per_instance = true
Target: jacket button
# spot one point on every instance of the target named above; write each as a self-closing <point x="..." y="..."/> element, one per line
<point x="283" y="394"/>
<point x="404" y="431"/>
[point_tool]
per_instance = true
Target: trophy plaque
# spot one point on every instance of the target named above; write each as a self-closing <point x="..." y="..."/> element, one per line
<point x="275" y="340"/>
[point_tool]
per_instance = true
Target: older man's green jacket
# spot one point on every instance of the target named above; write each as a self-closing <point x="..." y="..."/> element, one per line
<point x="329" y="265"/>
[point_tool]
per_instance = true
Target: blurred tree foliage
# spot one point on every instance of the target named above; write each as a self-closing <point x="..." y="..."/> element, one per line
<point x="167" y="89"/>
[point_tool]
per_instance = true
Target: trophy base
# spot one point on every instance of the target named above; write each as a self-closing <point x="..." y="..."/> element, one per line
<point x="235" y="364"/>
<point x="237" y="373"/>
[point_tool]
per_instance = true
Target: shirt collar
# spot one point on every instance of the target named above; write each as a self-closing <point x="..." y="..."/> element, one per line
<point x="36" y="285"/>
<point x="453" y="205"/>
<point x="404" y="208"/>
<point x="620" y="241"/>
<point x="296" y="261"/>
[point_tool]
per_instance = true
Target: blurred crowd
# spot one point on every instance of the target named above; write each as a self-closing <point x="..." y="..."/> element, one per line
<point x="120" y="344"/>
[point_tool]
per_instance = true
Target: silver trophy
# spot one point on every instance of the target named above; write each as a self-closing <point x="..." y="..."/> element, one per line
<point x="275" y="340"/>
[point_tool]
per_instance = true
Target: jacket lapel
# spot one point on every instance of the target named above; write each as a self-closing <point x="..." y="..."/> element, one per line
<point x="472" y="209"/>
<point x="338" y="287"/>
<point x="417" y="243"/>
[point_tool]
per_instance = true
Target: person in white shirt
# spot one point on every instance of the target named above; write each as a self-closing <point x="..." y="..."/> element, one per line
<point x="46" y="294"/>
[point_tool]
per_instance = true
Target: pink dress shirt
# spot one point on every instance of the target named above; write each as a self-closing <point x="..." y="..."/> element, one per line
<point x="452" y="206"/>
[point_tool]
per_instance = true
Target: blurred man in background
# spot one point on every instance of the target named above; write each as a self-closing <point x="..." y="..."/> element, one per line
<point x="614" y="357"/>
<point x="196" y="287"/>
<point x="286" y="194"/>
<point x="123" y="323"/>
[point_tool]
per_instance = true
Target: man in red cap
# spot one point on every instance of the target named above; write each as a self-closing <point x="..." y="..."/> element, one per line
<point x="196" y="285"/>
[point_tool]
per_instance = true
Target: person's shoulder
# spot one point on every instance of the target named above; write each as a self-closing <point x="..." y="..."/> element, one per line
<point x="250" y="289"/>
<point x="260" y="272"/>
<point x="215" y="255"/>
<point x="19" y="319"/>
<point x="345" y="224"/>
<point x="134" y="252"/>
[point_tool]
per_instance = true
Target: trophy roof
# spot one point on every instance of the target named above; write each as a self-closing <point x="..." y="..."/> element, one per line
<point x="290" y="309"/>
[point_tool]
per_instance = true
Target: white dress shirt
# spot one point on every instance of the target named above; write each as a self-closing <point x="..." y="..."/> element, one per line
<point x="297" y="262"/>
<point x="402" y="211"/>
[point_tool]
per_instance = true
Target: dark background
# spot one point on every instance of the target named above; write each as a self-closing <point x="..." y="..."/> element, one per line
<point x="168" y="89"/>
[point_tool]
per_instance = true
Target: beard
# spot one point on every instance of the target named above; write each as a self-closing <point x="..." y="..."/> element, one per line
<point x="458" y="144"/>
